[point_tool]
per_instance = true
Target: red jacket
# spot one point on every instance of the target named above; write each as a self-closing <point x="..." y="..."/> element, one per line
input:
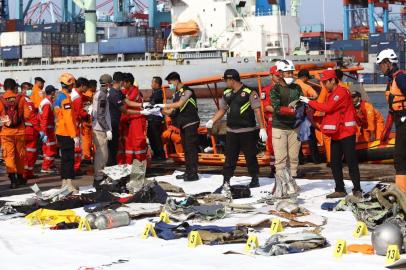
<point x="31" y="123"/>
<point x="266" y="100"/>
<point x="135" y="95"/>
<point x="339" y="119"/>
<point x="46" y="115"/>
<point x="79" y="112"/>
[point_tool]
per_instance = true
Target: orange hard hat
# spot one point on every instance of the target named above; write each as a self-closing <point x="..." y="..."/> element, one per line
<point x="67" y="79"/>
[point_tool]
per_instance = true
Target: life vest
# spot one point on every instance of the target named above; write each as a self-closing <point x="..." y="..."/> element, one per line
<point x="189" y="112"/>
<point x="395" y="97"/>
<point x="240" y="114"/>
<point x="341" y="123"/>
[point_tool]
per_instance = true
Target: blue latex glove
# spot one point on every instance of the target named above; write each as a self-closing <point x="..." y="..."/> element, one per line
<point x="43" y="137"/>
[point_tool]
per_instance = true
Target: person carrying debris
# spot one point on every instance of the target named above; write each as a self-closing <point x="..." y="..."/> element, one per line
<point x="396" y="97"/>
<point x="244" y="111"/>
<point x="102" y="129"/>
<point x="339" y="123"/>
<point x="184" y="114"/>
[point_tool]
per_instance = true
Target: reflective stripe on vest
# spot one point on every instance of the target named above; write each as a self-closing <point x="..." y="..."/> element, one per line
<point x="28" y="168"/>
<point x="330" y="127"/>
<point x="32" y="150"/>
<point x="50" y="143"/>
<point x="136" y="152"/>
<point x="49" y="158"/>
<point x="350" y="124"/>
<point x="28" y="124"/>
<point x="191" y="100"/>
<point x="245" y="107"/>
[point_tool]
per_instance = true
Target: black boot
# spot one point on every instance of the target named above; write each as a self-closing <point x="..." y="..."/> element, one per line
<point x="21" y="180"/>
<point x="254" y="182"/>
<point x="181" y="176"/>
<point x="13" y="180"/>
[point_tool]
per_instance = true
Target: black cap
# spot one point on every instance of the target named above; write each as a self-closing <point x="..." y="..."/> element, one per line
<point x="50" y="89"/>
<point x="173" y="76"/>
<point x="304" y="73"/>
<point x="231" y="74"/>
<point x="39" y="79"/>
<point x="355" y="94"/>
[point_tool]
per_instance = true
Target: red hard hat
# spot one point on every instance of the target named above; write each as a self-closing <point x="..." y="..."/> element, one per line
<point x="274" y="71"/>
<point x="327" y="75"/>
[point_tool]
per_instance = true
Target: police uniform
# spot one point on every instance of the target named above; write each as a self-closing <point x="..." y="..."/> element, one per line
<point x="242" y="132"/>
<point x="187" y="120"/>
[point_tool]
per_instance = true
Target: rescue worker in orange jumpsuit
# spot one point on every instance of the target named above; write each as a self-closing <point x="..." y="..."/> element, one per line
<point x="340" y="125"/>
<point x="37" y="91"/>
<point x="396" y="97"/>
<point x="13" y="112"/>
<point x="369" y="118"/>
<point x="31" y="132"/>
<point x="87" y="136"/>
<point x="47" y="130"/>
<point x="135" y="140"/>
<point x="80" y="115"/>
<point x="268" y="110"/>
<point x="66" y="130"/>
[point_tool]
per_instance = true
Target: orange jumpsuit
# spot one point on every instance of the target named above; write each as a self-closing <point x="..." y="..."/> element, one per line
<point x="47" y="125"/>
<point x="37" y="96"/>
<point x="323" y="139"/>
<point x="12" y="138"/>
<point x="80" y="115"/>
<point x="372" y="123"/>
<point x="380" y="123"/>
<point x="136" y="141"/>
<point x="87" y="133"/>
<point x="31" y="139"/>
<point x="121" y="157"/>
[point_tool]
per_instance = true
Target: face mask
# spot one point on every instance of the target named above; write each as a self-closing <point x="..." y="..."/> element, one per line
<point x="172" y="87"/>
<point x="357" y="104"/>
<point x="288" y="81"/>
<point x="28" y="93"/>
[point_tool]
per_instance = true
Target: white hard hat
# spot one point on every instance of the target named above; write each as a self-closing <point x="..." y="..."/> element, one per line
<point x="285" y="65"/>
<point x="387" y="54"/>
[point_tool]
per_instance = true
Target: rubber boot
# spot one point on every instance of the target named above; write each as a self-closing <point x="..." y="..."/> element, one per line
<point x="13" y="180"/>
<point x="400" y="181"/>
<point x="254" y="182"/>
<point x="21" y="180"/>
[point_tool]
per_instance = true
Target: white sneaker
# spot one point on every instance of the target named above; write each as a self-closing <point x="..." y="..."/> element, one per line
<point x="71" y="187"/>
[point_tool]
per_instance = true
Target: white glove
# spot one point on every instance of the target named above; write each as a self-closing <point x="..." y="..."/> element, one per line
<point x="159" y="106"/>
<point x="146" y="104"/>
<point x="145" y="112"/>
<point x="263" y="135"/>
<point x="209" y="124"/>
<point x="304" y="99"/>
<point x="77" y="141"/>
<point x="109" y="135"/>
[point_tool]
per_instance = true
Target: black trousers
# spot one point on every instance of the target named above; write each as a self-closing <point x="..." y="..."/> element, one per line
<point x="67" y="148"/>
<point x="245" y="142"/>
<point x="345" y="147"/>
<point x="154" y="133"/>
<point x="400" y="148"/>
<point x="113" y="146"/>
<point x="313" y="146"/>
<point x="190" y="140"/>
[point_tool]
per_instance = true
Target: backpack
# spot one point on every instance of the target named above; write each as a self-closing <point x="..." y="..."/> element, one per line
<point x="11" y="109"/>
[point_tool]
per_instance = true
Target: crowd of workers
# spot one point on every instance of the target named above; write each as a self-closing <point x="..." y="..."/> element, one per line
<point x="110" y="124"/>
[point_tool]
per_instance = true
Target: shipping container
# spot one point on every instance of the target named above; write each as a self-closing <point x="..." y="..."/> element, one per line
<point x="52" y="28"/>
<point x="151" y="44"/>
<point x="381" y="37"/>
<point x="56" y="50"/>
<point x="123" y="45"/>
<point x="116" y="32"/>
<point x="359" y="56"/>
<point x="36" y="51"/>
<point x="91" y="48"/>
<point x="10" y="39"/>
<point x="73" y="50"/>
<point x="349" y="45"/>
<point x="36" y="38"/>
<point x="11" y="53"/>
<point x="12" y="25"/>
